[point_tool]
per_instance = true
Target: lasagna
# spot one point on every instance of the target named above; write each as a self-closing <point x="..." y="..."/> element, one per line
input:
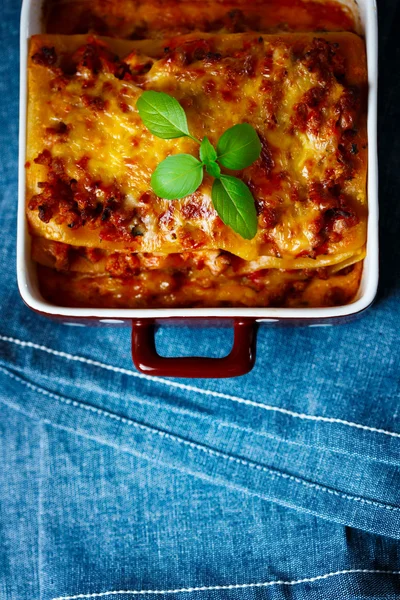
<point x="100" y="235"/>
<point x="148" y="19"/>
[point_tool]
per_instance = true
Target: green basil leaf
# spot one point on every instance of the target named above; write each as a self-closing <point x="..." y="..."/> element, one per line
<point x="213" y="169"/>
<point x="207" y="151"/>
<point x="163" y="115"/>
<point x="238" y="147"/>
<point x="234" y="203"/>
<point x="177" y="176"/>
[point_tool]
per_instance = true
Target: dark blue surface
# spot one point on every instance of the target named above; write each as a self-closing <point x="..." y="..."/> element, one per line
<point x="273" y="483"/>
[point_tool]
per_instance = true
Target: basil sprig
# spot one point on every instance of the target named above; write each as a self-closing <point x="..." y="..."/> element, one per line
<point x="234" y="203"/>
<point x="163" y="115"/>
<point x="177" y="176"/>
<point x="238" y="147"/>
<point x="180" y="175"/>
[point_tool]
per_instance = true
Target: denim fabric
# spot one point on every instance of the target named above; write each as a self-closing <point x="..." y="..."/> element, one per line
<point x="283" y="484"/>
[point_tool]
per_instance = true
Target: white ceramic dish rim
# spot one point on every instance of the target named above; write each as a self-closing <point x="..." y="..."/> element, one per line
<point x="26" y="271"/>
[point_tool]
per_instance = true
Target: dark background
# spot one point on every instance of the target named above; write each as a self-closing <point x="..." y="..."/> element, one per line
<point x="389" y="145"/>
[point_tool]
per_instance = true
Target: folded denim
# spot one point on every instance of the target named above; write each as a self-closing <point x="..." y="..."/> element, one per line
<point x="244" y="444"/>
<point x="97" y="507"/>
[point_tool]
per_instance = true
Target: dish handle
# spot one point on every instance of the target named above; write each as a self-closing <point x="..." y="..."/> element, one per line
<point x="238" y="362"/>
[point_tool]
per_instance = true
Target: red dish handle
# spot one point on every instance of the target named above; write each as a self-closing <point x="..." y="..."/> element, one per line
<point x="238" y="362"/>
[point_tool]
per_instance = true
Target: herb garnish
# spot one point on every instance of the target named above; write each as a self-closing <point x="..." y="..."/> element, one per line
<point x="180" y="175"/>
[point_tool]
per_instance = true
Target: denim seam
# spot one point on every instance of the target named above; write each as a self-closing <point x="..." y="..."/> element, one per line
<point x="40" y="509"/>
<point x="273" y="473"/>
<point x="238" y="586"/>
<point x="190" y="388"/>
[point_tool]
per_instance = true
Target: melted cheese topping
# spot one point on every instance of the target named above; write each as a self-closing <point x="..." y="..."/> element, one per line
<point x="296" y="90"/>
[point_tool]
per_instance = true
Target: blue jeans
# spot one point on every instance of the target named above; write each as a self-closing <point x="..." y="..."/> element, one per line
<point x="282" y="484"/>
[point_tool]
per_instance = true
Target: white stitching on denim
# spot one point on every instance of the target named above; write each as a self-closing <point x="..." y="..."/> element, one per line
<point x="193" y="445"/>
<point x="238" y="586"/>
<point x="191" y="388"/>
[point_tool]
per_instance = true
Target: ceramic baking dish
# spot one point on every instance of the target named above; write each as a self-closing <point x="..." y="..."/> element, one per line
<point x="244" y="320"/>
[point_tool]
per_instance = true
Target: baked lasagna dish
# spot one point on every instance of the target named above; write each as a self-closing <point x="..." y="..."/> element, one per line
<point x="100" y="235"/>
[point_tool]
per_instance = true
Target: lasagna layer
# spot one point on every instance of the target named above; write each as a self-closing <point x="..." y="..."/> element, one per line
<point x="188" y="287"/>
<point x="90" y="277"/>
<point x="90" y="158"/>
<point x="97" y="261"/>
<point x="145" y="19"/>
